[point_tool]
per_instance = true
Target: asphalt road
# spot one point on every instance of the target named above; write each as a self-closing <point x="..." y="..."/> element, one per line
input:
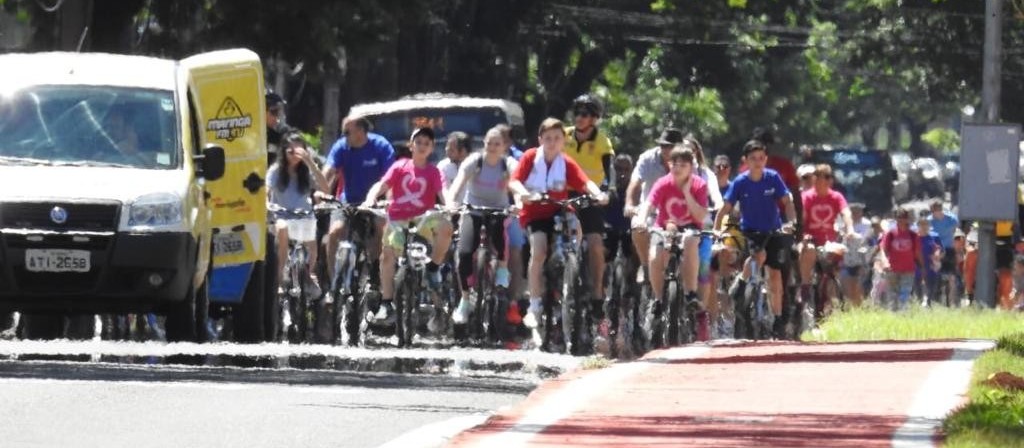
<point x="48" y="404"/>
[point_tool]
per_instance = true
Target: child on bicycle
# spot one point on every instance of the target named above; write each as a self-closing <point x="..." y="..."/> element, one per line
<point x="482" y="181"/>
<point x="541" y="170"/>
<point x="681" y="201"/>
<point x="291" y="185"/>
<point x="415" y="187"/>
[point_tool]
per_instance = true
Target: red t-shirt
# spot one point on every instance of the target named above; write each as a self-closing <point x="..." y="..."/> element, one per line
<point x="820" y="213"/>
<point x="901" y="248"/>
<point x="414" y="190"/>
<point x="667" y="198"/>
<point x="575" y="179"/>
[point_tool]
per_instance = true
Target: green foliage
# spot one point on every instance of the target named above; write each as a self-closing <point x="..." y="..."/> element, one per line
<point x="314" y="140"/>
<point x="640" y="105"/>
<point x="1013" y="343"/>
<point x="942" y="139"/>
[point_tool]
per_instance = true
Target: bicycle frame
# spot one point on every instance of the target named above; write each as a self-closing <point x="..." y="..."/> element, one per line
<point x="485" y="286"/>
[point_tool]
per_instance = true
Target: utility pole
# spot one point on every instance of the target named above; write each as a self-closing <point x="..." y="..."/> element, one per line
<point x="985" y="290"/>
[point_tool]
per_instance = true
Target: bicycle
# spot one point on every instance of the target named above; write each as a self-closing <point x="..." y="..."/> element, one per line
<point x="566" y="282"/>
<point x="488" y="323"/>
<point x="754" y="317"/>
<point x="351" y="287"/>
<point x="827" y="287"/>
<point x="296" y="315"/>
<point x="623" y="308"/>
<point x="681" y="321"/>
<point x="410" y="278"/>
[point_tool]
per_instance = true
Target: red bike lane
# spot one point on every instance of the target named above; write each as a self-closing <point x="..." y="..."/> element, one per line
<point x="770" y="394"/>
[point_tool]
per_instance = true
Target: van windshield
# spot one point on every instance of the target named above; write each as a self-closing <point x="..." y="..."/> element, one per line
<point x="398" y="125"/>
<point x="89" y="126"/>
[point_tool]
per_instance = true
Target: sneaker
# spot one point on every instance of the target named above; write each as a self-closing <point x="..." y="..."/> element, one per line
<point x="385" y="315"/>
<point x="692" y="301"/>
<point x="501" y="278"/>
<point x="313" y="287"/>
<point x="532" y="319"/>
<point x="462" y="312"/>
<point x="436" y="324"/>
<point x="512" y="314"/>
<point x="434" y="279"/>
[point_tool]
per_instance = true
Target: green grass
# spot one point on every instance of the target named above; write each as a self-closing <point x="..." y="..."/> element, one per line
<point x="994" y="417"/>
<point x="874" y="324"/>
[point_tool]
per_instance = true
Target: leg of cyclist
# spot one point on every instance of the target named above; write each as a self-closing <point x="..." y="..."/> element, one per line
<point x="469" y="239"/>
<point x="441" y="229"/>
<point x="656" y="259"/>
<point x="335" y="234"/>
<point x="282" y="248"/>
<point x="690" y="267"/>
<point x="642" y="244"/>
<point x="394" y="239"/>
<point x="808" y="256"/>
<point x="535" y="274"/>
<point x="515" y="239"/>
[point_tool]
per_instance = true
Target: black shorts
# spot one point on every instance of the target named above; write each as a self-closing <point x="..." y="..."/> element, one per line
<point x="591" y="219"/>
<point x="777" y="247"/>
<point x="1004" y="252"/>
<point x="948" y="262"/>
<point x="546" y="225"/>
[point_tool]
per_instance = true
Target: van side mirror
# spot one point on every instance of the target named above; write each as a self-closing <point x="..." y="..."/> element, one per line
<point x="210" y="165"/>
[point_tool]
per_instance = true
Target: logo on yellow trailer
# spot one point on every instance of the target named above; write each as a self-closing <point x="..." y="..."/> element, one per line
<point x="230" y="122"/>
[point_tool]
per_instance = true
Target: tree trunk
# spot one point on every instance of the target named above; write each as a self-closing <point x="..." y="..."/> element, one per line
<point x="332" y="120"/>
<point x="895" y="132"/>
<point x="916" y="130"/>
<point x="868" y="136"/>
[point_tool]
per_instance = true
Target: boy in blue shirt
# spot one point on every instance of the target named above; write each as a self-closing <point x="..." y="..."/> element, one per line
<point x="357" y="161"/>
<point x="759" y="192"/>
<point x="927" y="279"/>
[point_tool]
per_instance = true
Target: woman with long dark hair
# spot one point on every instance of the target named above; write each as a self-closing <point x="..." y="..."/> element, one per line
<point x="289" y="187"/>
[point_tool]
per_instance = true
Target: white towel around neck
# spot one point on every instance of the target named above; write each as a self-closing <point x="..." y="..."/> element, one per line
<point x="542" y="179"/>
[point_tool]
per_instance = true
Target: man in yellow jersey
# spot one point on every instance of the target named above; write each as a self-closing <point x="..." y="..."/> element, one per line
<point x="592" y="150"/>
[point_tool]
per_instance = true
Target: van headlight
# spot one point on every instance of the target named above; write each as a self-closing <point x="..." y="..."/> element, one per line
<point x="153" y="210"/>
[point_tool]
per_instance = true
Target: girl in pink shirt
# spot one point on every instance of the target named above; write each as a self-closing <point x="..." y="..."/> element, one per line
<point x="681" y="201"/>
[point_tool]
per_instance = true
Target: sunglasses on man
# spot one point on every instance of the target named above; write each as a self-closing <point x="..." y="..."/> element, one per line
<point x="584" y="113"/>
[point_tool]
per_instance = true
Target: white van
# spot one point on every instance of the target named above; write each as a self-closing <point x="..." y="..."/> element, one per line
<point x="109" y="191"/>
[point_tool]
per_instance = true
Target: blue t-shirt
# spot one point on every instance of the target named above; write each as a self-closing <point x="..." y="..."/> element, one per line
<point x="945" y="228"/>
<point x="614" y="212"/>
<point x="929" y="243"/>
<point x="362" y="167"/>
<point x="759" y="208"/>
<point x="515" y="152"/>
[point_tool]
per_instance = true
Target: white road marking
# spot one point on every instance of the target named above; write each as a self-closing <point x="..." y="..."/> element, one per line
<point x="436" y="434"/>
<point x="576" y="394"/>
<point x="940" y="393"/>
<point x="190" y="385"/>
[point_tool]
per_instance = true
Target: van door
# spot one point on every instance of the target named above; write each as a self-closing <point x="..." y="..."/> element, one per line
<point x="226" y="93"/>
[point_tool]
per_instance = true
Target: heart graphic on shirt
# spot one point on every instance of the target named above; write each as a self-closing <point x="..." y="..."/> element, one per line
<point x="902" y="244"/>
<point x="676" y="210"/>
<point x="415" y="188"/>
<point x="821" y="214"/>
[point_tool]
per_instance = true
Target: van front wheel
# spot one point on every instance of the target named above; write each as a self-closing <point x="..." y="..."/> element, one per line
<point x="186" y="321"/>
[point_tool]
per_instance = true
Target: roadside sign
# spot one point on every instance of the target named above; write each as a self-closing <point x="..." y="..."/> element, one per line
<point x="989" y="156"/>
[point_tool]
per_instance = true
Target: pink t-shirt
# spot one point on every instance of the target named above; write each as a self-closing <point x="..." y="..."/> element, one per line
<point x="670" y="203"/>
<point x="413" y="190"/>
<point x="820" y="213"/>
<point x="901" y="248"/>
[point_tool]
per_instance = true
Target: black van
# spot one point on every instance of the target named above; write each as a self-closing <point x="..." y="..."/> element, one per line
<point x="862" y="175"/>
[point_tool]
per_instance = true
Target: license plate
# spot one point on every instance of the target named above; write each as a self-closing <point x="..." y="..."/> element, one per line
<point x="57" y="260"/>
<point x="228" y="244"/>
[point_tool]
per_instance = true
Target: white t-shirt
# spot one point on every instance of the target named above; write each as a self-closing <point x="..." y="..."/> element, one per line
<point x="449" y="170"/>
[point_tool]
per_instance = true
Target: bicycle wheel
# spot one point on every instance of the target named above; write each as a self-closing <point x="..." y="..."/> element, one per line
<point x="742" y="301"/>
<point x="675" y="309"/>
<point x="570" y="299"/>
<point x="484" y="290"/>
<point x="617" y="314"/>
<point x="829" y="293"/>
<point x="401" y="304"/>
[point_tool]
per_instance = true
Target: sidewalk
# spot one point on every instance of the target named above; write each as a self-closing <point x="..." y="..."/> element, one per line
<point x="814" y="395"/>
